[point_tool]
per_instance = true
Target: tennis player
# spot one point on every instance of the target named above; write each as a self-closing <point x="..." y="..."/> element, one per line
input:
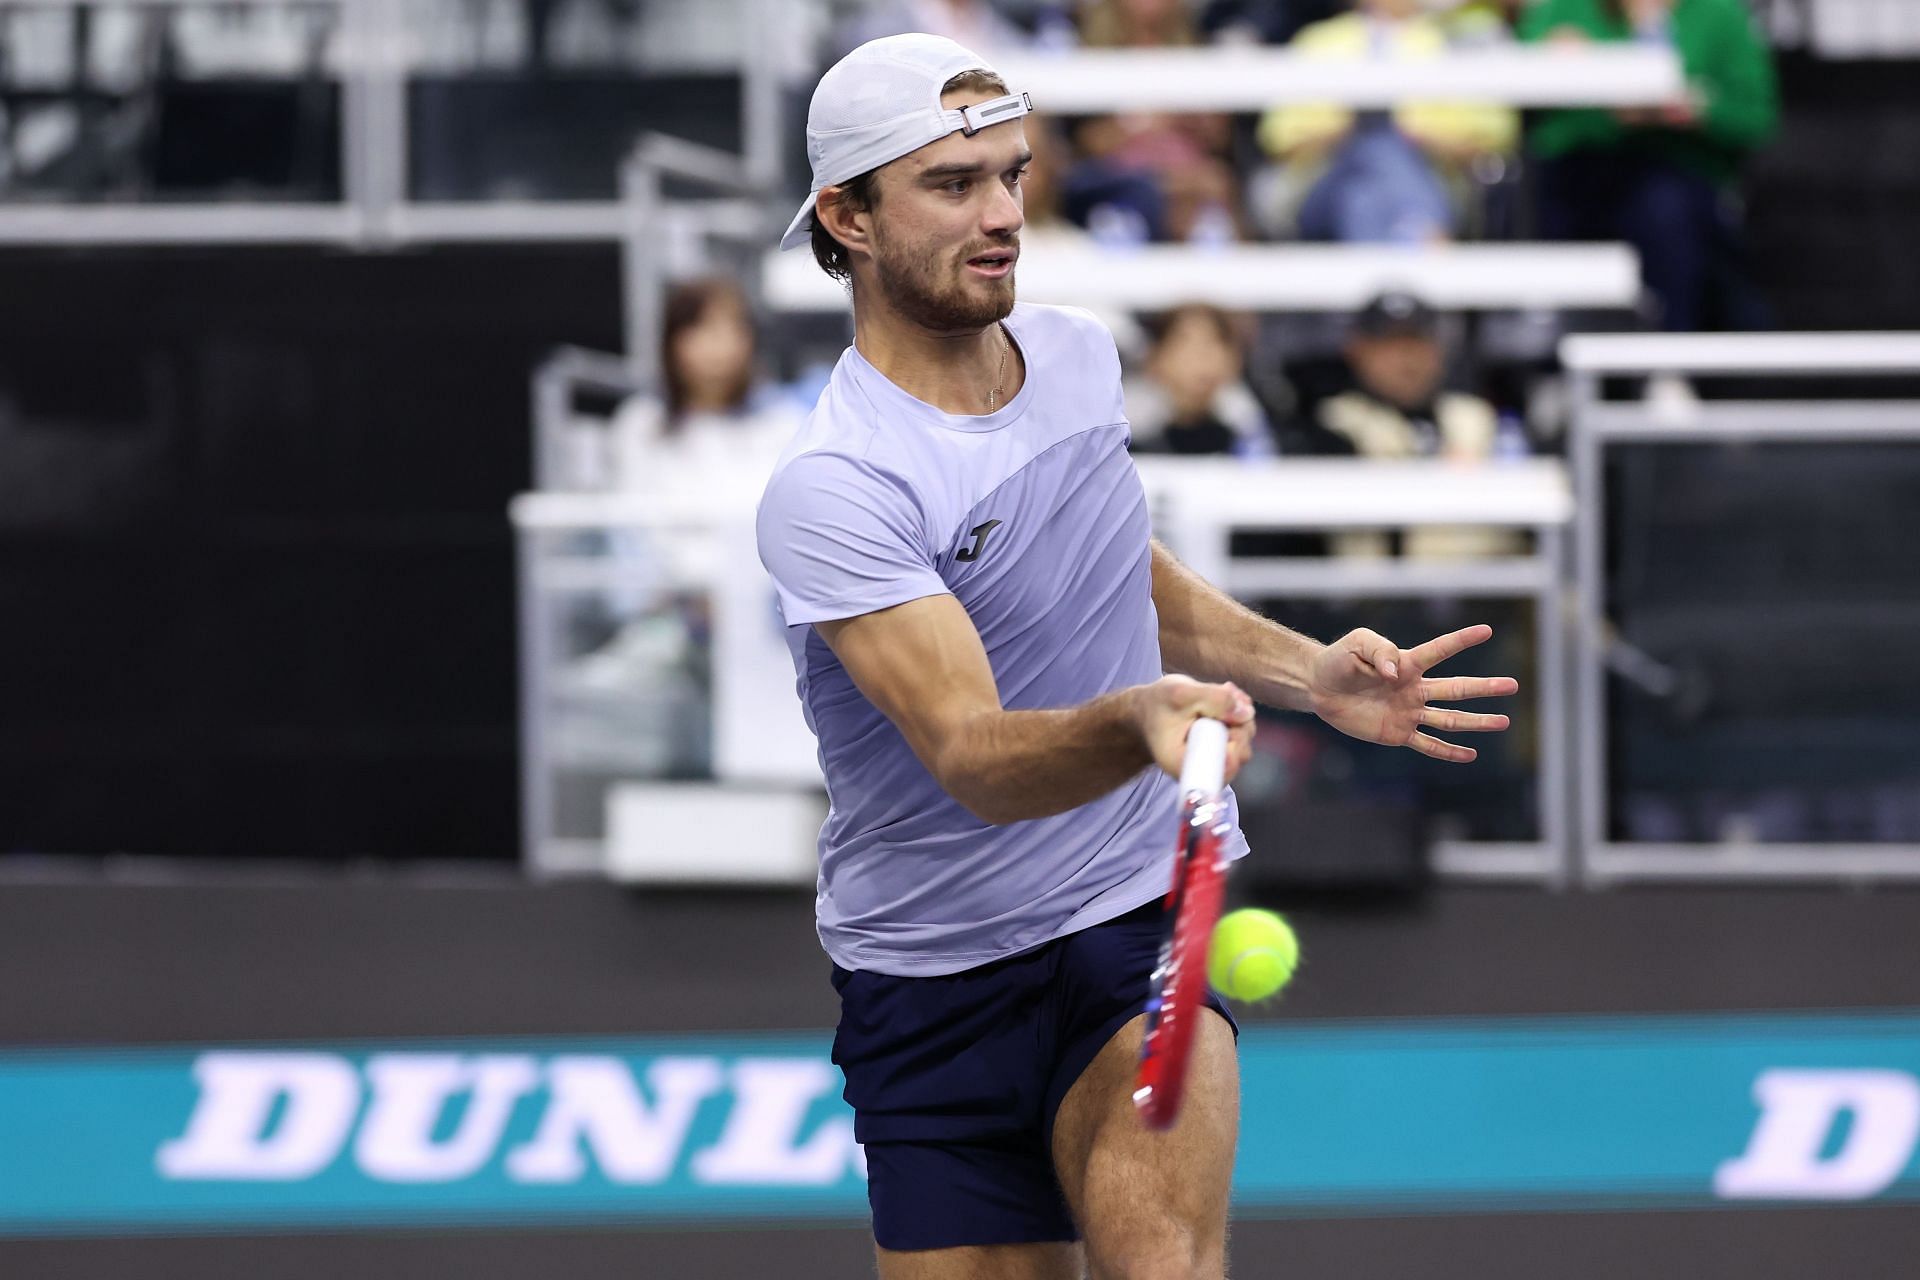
<point x="983" y="630"/>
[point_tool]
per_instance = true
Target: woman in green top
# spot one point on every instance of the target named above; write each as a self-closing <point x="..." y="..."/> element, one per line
<point x="1660" y="177"/>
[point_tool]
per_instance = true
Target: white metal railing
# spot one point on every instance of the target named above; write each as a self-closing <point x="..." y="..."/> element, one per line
<point x="1278" y="277"/>
<point x="701" y="535"/>
<point x="556" y="382"/>
<point x="1599" y="425"/>
<point x="654" y="244"/>
<point x="1252" y="79"/>
<point x="1198" y="504"/>
<point x="1788" y="354"/>
<point x="1845" y="29"/>
<point x="374" y="53"/>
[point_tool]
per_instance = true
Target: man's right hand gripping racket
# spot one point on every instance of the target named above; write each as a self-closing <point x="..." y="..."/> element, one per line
<point x="1178" y="993"/>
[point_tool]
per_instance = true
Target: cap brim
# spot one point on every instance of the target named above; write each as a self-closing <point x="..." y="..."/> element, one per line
<point x="800" y="230"/>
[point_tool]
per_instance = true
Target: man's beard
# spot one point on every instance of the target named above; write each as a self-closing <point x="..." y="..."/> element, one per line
<point x="915" y="285"/>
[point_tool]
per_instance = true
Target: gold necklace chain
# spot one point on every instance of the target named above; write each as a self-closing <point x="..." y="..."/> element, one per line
<point x="1000" y="377"/>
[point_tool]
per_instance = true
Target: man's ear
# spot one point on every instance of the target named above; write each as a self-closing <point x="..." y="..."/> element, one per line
<point x="850" y="226"/>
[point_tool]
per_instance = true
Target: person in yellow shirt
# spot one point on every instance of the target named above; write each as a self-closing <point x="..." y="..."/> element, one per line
<point x="1380" y="176"/>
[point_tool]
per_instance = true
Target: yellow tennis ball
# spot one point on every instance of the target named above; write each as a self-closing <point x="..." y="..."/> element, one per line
<point x="1252" y="955"/>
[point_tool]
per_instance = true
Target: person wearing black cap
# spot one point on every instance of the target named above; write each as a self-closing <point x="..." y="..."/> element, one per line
<point x="1400" y="409"/>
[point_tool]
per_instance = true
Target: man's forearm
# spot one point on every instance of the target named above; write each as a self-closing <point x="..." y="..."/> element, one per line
<point x="1007" y="766"/>
<point x="1209" y="635"/>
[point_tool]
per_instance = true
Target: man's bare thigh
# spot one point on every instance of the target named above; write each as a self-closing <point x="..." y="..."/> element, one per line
<point x="1137" y="1194"/>
<point x="1053" y="1261"/>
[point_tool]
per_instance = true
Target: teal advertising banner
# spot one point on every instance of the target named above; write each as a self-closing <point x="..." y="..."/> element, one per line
<point x="1586" y="1113"/>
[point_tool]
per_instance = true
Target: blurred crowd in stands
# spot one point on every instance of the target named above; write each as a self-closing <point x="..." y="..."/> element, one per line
<point x="1396" y="381"/>
<point x="1663" y="179"/>
<point x="1393" y="381"/>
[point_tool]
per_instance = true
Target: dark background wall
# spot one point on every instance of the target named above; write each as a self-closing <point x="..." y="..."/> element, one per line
<point x="223" y="961"/>
<point x="255" y="571"/>
<point x="1833" y="202"/>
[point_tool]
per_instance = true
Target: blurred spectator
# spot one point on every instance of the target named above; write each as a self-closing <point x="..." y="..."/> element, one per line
<point x="1377" y="176"/>
<point x="973" y="23"/>
<point x="715" y="419"/>
<point x="1151" y="175"/>
<point x="1042" y="199"/>
<point x="1262" y="21"/>
<point x="1047" y="225"/>
<point x="1479" y="22"/>
<point x="1662" y="178"/>
<point x="1194" y="398"/>
<point x="1137" y="24"/>
<point x="643" y="682"/>
<point x="1400" y="409"/>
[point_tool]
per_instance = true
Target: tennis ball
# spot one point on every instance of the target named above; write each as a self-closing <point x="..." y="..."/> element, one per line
<point x="1252" y="955"/>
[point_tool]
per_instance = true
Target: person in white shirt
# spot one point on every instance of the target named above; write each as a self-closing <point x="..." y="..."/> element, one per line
<point x="714" y="418"/>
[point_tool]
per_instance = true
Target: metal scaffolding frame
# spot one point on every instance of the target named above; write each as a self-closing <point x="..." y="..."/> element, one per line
<point x="1598" y="424"/>
<point x="1198" y="506"/>
<point x="666" y="238"/>
<point x="376" y="211"/>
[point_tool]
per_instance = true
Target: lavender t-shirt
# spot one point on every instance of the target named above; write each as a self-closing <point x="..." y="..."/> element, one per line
<point x="1034" y="518"/>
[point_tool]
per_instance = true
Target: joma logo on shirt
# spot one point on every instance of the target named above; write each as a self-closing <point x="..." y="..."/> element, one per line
<point x="980" y="534"/>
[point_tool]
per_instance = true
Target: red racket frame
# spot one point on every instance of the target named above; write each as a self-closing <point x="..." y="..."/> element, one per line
<point x="1178" y="992"/>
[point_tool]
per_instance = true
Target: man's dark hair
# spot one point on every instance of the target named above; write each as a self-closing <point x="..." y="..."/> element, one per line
<point x="862" y="193"/>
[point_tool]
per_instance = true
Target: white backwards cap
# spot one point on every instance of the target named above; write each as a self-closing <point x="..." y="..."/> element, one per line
<point x="882" y="101"/>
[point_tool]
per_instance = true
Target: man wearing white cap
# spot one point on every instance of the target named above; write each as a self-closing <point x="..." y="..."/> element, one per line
<point x="981" y="624"/>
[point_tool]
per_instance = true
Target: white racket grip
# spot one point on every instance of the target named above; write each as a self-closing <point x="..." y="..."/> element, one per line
<point x="1204" y="767"/>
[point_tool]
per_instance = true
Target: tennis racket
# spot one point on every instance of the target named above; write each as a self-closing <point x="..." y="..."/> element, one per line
<point x="1193" y="908"/>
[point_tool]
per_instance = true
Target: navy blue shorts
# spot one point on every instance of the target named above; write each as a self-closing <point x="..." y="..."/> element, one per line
<point x="954" y="1080"/>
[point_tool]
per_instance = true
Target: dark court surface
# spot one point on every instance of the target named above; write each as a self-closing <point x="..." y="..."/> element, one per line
<point x="1814" y="1244"/>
